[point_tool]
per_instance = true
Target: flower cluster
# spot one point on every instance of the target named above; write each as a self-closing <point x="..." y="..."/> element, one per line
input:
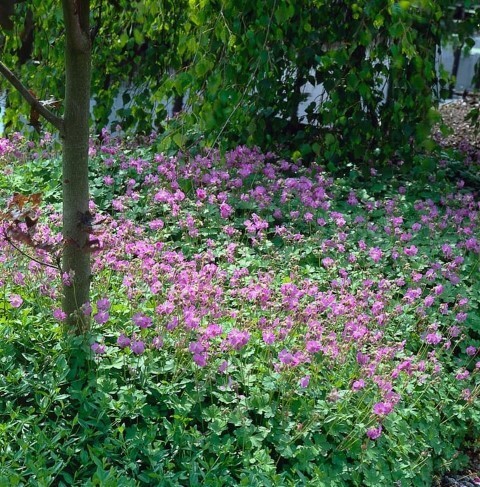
<point x="247" y="252"/>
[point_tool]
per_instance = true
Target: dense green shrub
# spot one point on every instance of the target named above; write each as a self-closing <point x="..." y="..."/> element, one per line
<point x="240" y="69"/>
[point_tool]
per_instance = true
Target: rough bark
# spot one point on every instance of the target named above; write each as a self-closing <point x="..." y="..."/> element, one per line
<point x="76" y="257"/>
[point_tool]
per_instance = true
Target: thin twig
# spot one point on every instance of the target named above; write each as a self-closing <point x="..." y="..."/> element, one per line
<point x="8" y="239"/>
<point x="56" y="121"/>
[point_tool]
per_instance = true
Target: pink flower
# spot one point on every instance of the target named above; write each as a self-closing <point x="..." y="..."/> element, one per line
<point x="59" y="315"/>
<point x="362" y="358"/>
<point x="438" y="290"/>
<point x="313" y="346"/>
<point x="462" y="375"/>
<point x="67" y="278"/>
<point x="213" y="330"/>
<point x="328" y="262"/>
<point x="196" y="348"/>
<point x="225" y="210"/>
<point x="358" y="385"/>
<point x="411" y="251"/>
<point x="304" y="381"/>
<point x="237" y="338"/>
<point x="15" y="300"/>
<point x="383" y="408"/>
<point x="466" y="393"/>
<point x="374" y="433"/>
<point x="375" y="254"/>
<point x="86" y="309"/>
<point x="433" y="338"/>
<point x="428" y="301"/>
<point x="156" y="224"/>
<point x="268" y="337"/>
<point x="285" y="357"/>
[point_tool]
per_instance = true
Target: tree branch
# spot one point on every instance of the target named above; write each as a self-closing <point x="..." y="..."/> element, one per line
<point x="46" y="264"/>
<point x="56" y="121"/>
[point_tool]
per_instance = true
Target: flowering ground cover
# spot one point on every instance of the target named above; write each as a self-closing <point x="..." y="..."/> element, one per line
<point x="255" y="322"/>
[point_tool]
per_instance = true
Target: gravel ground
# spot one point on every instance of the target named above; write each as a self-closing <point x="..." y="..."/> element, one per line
<point x="453" y="114"/>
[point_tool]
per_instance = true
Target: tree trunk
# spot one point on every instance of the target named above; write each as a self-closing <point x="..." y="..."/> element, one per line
<point x="76" y="257"/>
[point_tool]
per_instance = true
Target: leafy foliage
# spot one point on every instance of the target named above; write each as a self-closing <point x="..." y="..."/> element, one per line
<point x="240" y="70"/>
<point x="257" y="322"/>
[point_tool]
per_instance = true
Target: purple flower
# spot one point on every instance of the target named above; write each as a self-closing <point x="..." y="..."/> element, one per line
<point x="313" y="346"/>
<point x="59" y="315"/>
<point x="471" y="351"/>
<point x="222" y="368"/>
<point x="461" y="317"/>
<point x="383" y="408"/>
<point x="268" y="337"/>
<point x="98" y="348"/>
<point x="462" y="375"/>
<point x="304" y="381"/>
<point x="157" y="342"/>
<point x="433" y="338"/>
<point x="103" y="304"/>
<point x="375" y="254"/>
<point x="416" y="227"/>
<point x="142" y="321"/>
<point x="428" y="301"/>
<point x="86" y="309"/>
<point x="454" y="331"/>
<point x="237" y="338"/>
<point x="213" y="330"/>
<point x="156" y="224"/>
<point x="15" y="300"/>
<point x="328" y="262"/>
<point x="196" y="347"/>
<point x="412" y="294"/>
<point x="200" y="359"/>
<point x="225" y="210"/>
<point x="438" y="290"/>
<point x="374" y="433"/>
<point x="101" y="317"/>
<point x="137" y="347"/>
<point x="358" y="385"/>
<point x="411" y="251"/>
<point x="285" y="357"/>
<point x="67" y="279"/>
<point x="362" y="358"/>
<point x="123" y="341"/>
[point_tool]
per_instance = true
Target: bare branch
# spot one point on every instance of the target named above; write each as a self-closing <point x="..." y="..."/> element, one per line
<point x="56" y="121"/>
<point x="18" y="249"/>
